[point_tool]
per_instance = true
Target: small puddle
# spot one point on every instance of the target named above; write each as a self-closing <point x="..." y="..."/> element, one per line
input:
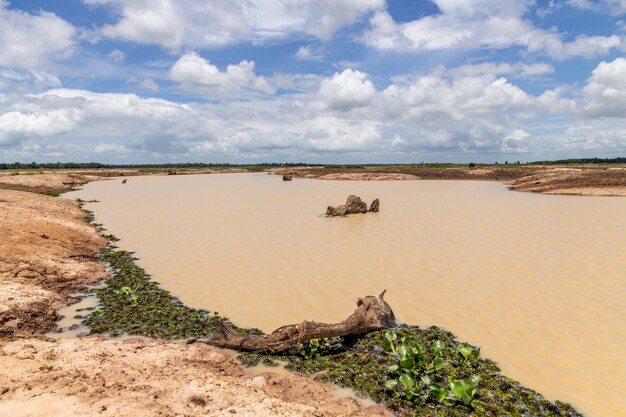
<point x="70" y="325"/>
<point x="348" y="393"/>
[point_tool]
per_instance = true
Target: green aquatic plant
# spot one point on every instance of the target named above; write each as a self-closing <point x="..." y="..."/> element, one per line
<point x="414" y="374"/>
<point x="468" y="352"/>
<point x="313" y="348"/>
<point x="391" y="337"/>
<point x="130" y="293"/>
<point x="465" y="391"/>
<point x="364" y="366"/>
<point x="309" y="349"/>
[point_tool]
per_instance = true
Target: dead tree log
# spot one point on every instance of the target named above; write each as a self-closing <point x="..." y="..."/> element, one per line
<point x="372" y="313"/>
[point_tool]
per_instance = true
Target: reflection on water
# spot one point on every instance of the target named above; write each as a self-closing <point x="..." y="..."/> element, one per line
<point x="537" y="281"/>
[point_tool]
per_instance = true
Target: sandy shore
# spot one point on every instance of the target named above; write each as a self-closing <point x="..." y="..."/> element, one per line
<point x="47" y="254"/>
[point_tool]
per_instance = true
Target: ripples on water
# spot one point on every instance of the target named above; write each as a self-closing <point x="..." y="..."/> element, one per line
<point x="538" y="281"/>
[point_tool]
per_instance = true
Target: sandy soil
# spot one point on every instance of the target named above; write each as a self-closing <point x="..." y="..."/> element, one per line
<point x="47" y="254"/>
<point x="592" y="180"/>
<point x="137" y="377"/>
<point x="368" y="177"/>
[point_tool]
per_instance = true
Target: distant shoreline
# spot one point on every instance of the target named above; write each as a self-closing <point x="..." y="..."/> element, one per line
<point x="568" y="179"/>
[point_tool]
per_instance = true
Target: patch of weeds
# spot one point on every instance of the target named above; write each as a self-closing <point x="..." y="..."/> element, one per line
<point x="419" y="373"/>
<point x="313" y="348"/>
<point x="89" y="216"/>
<point x="52" y="193"/>
<point x="451" y="384"/>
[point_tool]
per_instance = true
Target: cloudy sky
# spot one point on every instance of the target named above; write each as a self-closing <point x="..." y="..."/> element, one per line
<point x="333" y="81"/>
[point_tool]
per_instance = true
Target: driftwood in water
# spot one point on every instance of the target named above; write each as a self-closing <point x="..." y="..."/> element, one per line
<point x="372" y="313"/>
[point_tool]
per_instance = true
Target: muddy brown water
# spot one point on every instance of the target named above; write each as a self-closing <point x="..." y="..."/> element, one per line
<point x="539" y="282"/>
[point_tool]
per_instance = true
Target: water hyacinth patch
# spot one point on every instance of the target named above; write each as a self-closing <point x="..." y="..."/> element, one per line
<point x="131" y="303"/>
<point x="474" y="388"/>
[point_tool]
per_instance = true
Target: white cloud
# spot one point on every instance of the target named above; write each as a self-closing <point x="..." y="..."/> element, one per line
<point x="328" y="134"/>
<point x="605" y="92"/>
<point x="583" y="46"/>
<point x="518" y="69"/>
<point x="149" y="84"/>
<point x="117" y="56"/>
<point x="30" y="41"/>
<point x="173" y="24"/>
<point x="347" y="90"/>
<point x="16" y="125"/>
<point x="436" y="96"/>
<point x="614" y="7"/>
<point x="115" y="148"/>
<point x="307" y="53"/>
<point x="25" y="80"/>
<point x="467" y="112"/>
<point x="193" y="71"/>
<point x="468" y="25"/>
<point x="45" y="79"/>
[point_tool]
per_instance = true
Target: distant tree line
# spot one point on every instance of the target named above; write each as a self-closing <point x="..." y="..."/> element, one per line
<point x="620" y="160"/>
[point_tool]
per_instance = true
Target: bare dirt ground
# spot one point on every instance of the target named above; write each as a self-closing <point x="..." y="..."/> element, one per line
<point x="47" y="254"/>
<point x="607" y="180"/>
<point x="137" y="377"/>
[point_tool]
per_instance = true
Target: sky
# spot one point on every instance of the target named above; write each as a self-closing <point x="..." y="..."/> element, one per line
<point x="316" y="81"/>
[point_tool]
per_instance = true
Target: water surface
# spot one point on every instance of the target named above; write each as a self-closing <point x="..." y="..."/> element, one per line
<point x="537" y="281"/>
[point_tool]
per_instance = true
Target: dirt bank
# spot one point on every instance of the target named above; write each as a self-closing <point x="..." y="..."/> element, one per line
<point x="591" y="179"/>
<point x="572" y="180"/>
<point x="47" y="254"/>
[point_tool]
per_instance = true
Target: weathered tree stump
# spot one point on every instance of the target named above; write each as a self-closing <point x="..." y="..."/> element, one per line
<point x="353" y="205"/>
<point x="372" y="313"/>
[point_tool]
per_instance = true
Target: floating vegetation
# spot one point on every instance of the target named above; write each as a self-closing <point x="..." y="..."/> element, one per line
<point x="414" y="372"/>
<point x="473" y="386"/>
<point x="131" y="303"/>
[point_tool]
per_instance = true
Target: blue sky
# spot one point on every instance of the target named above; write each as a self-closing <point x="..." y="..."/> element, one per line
<point x="334" y="81"/>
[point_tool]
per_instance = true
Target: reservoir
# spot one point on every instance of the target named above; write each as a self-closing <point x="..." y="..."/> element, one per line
<point x="537" y="281"/>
